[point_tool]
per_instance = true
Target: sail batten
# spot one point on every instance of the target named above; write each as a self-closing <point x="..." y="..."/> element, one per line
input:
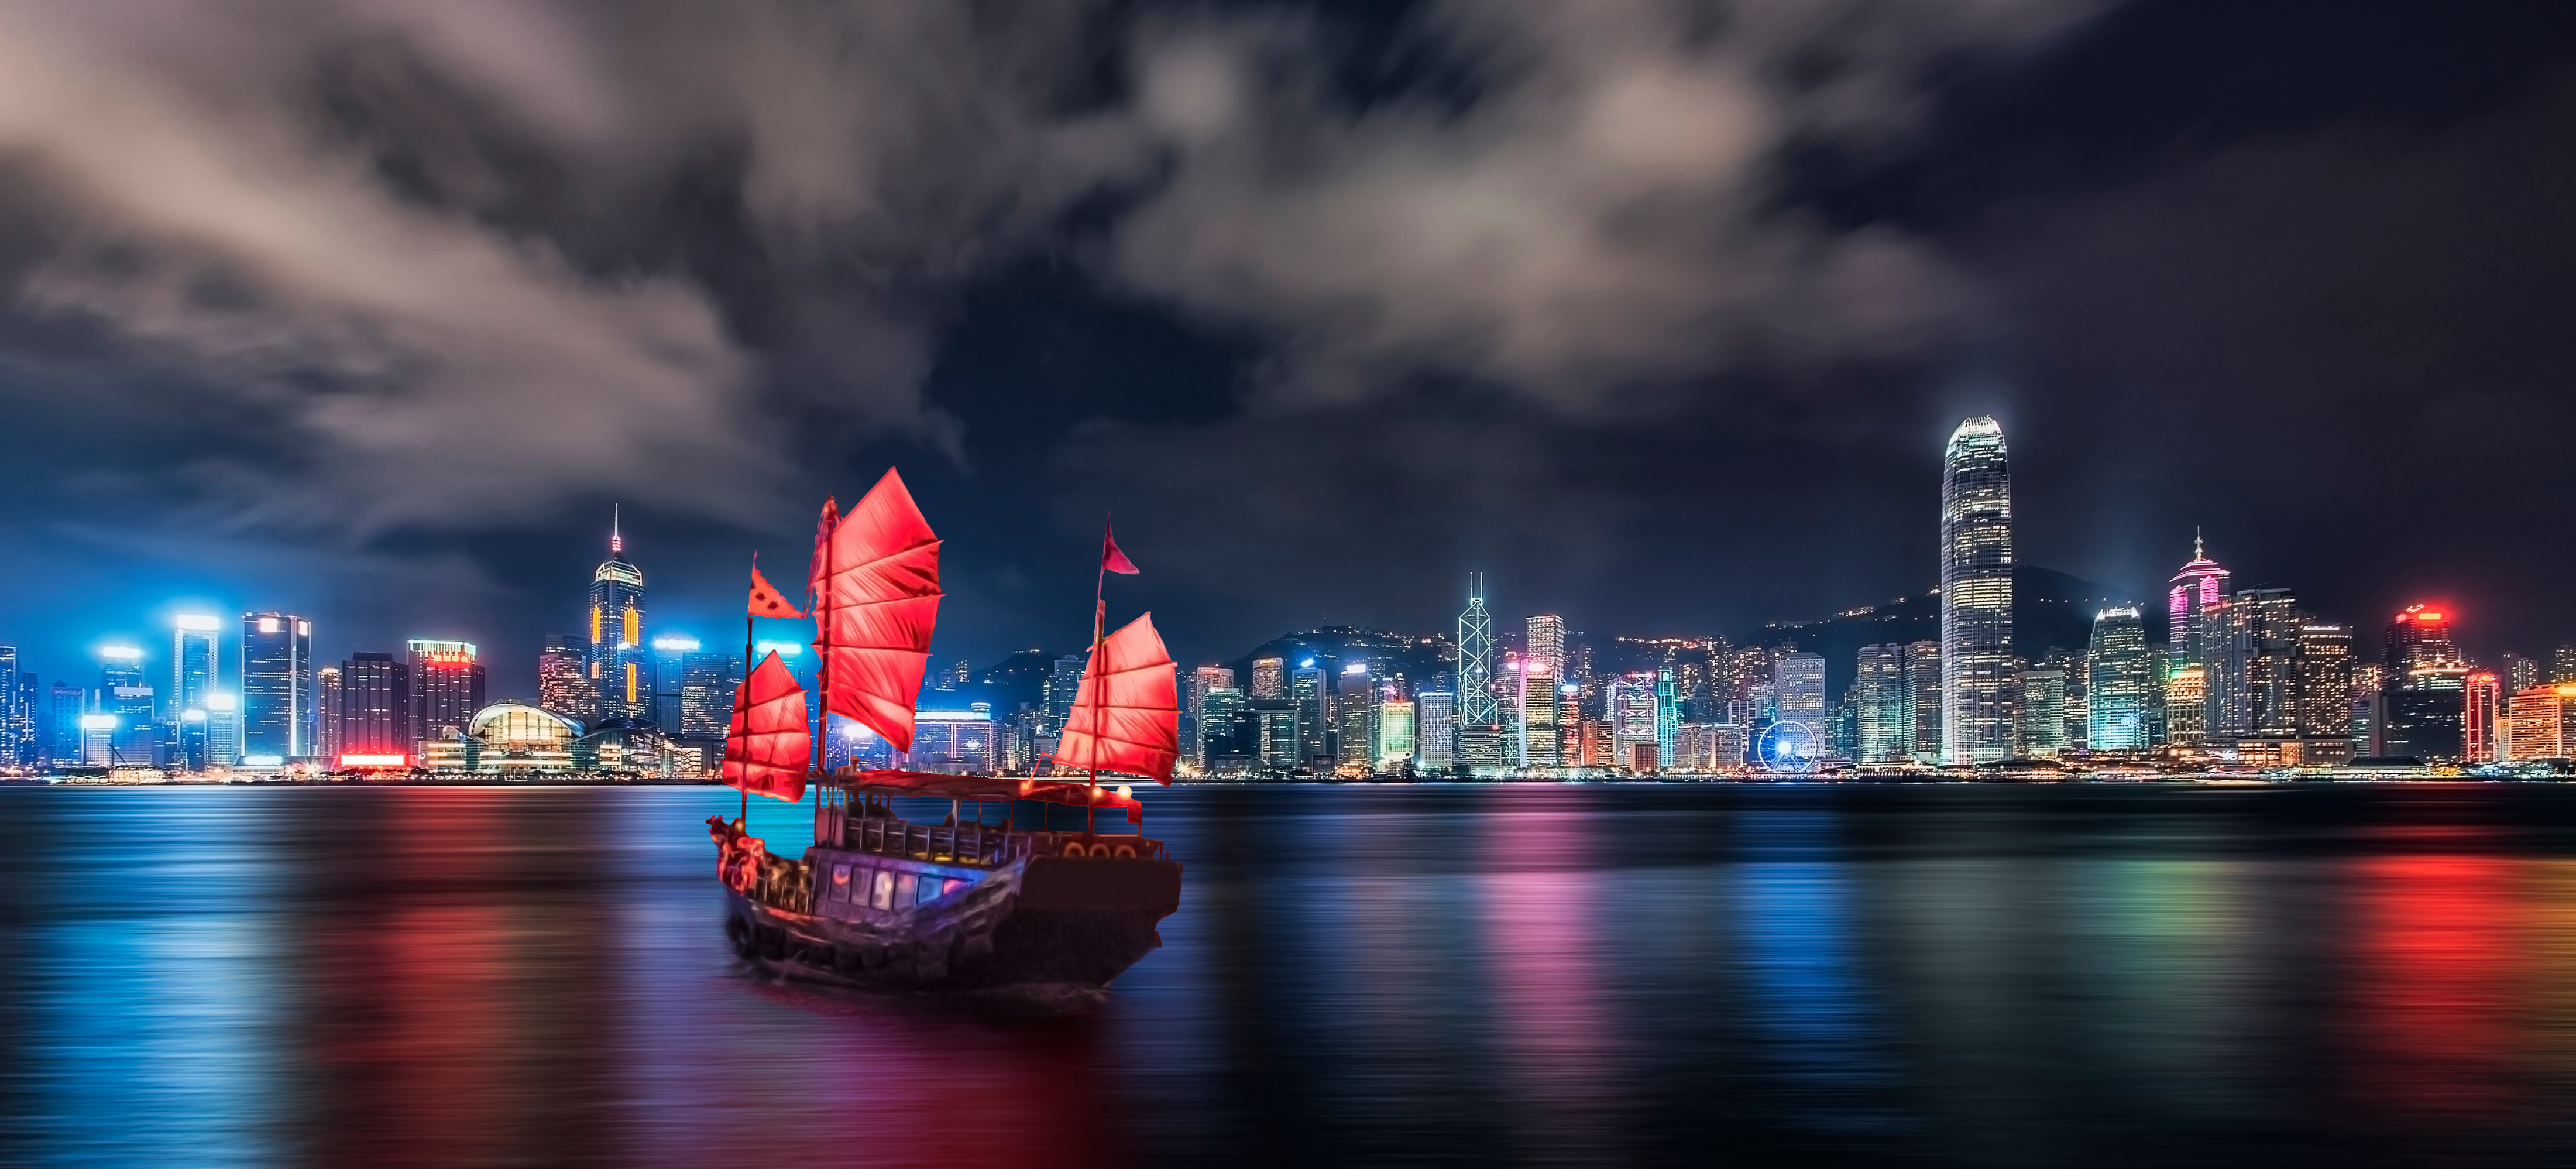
<point x="1126" y="714"/>
<point x="875" y="608"/>
<point x="768" y="747"/>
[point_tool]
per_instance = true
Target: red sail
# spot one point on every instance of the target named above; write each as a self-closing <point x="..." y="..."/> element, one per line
<point x="768" y="749"/>
<point x="874" y="613"/>
<point x="1127" y="714"/>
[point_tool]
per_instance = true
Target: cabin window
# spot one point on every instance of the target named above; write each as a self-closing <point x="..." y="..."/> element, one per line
<point x="903" y="891"/>
<point x="950" y="886"/>
<point x="930" y="887"/>
<point x="840" y="882"/>
<point x="884" y="898"/>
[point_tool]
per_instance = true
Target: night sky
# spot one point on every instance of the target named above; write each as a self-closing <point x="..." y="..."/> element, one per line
<point x="1658" y="313"/>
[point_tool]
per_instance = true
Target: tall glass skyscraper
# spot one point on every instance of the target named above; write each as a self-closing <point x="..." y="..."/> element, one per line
<point x="1976" y="596"/>
<point x="277" y="707"/>
<point x="618" y="667"/>
<point x="1476" y="705"/>
<point x="1879" y="699"/>
<point x="2119" y="684"/>
<point x="2196" y="635"/>
<point x="1923" y="701"/>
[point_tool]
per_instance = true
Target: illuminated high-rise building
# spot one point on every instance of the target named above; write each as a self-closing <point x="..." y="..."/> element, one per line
<point x="1398" y="734"/>
<point x="277" y="704"/>
<point x="326" y="706"/>
<point x="1438" y="735"/>
<point x="2424" y="682"/>
<point x="563" y="681"/>
<point x="196" y="663"/>
<point x="2562" y="664"/>
<point x="1632" y="715"/>
<point x="2481" y="709"/>
<point x="375" y="705"/>
<point x="1545" y="644"/>
<point x="1976" y="596"/>
<point x="2261" y="660"/>
<point x="1922" y="665"/>
<point x="2196" y="634"/>
<point x="2187" y="705"/>
<point x="617" y="663"/>
<point x="707" y="682"/>
<point x="1798" y="681"/>
<point x="1541" y="745"/>
<point x="2521" y="673"/>
<point x="670" y="651"/>
<point x="2119" y="682"/>
<point x="446" y="687"/>
<point x="2325" y="680"/>
<point x="2544" y="722"/>
<point x="1476" y="705"/>
<point x="1310" y="694"/>
<point x="64" y="706"/>
<point x="1878" y="698"/>
<point x="1269" y="678"/>
<point x="1355" y="718"/>
<point x="1202" y="680"/>
<point x="2039" y="714"/>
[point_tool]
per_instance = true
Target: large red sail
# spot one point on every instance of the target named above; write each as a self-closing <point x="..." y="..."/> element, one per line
<point x="768" y="749"/>
<point x="1127" y="713"/>
<point x="874" y="611"/>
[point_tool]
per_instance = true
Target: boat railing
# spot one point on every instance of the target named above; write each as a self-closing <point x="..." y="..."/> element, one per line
<point x="980" y="844"/>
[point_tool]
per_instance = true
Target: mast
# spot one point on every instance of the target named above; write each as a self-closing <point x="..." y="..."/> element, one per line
<point x="1099" y="614"/>
<point x="746" y="680"/>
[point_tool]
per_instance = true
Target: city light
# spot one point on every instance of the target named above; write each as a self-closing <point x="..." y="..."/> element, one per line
<point x="197" y="622"/>
<point x="371" y="760"/>
<point x="263" y="761"/>
<point x="268" y="625"/>
<point x="98" y="722"/>
<point x="121" y="653"/>
<point x="222" y="701"/>
<point x="676" y="644"/>
<point x="192" y="715"/>
<point x="784" y="649"/>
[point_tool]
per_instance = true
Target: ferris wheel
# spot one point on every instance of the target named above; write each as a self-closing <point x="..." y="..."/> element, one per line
<point x="1786" y="747"/>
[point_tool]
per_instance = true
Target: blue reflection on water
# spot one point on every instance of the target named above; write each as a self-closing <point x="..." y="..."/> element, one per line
<point x="1809" y="997"/>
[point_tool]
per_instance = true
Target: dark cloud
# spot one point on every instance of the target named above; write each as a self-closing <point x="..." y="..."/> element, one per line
<point x="1656" y="310"/>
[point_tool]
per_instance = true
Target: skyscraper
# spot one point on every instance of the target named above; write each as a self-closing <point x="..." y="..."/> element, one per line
<point x="1976" y="596"/>
<point x="375" y="705"/>
<point x="707" y="682"/>
<point x="1542" y="745"/>
<point x="1798" y="679"/>
<point x="1314" y="705"/>
<point x="2325" y="680"/>
<point x="1922" y="701"/>
<point x="1632" y="715"/>
<point x="326" y="707"/>
<point x="2196" y="635"/>
<point x="2040" y="714"/>
<point x="1879" y="696"/>
<point x="2424" y="683"/>
<point x="670" y="653"/>
<point x="563" y="681"/>
<point x="2119" y="684"/>
<point x="2262" y="664"/>
<point x="2481" y="711"/>
<point x="277" y="705"/>
<point x="446" y="687"/>
<point x="617" y="662"/>
<point x="1545" y="647"/>
<point x="1397" y="734"/>
<point x="1269" y="678"/>
<point x="196" y="665"/>
<point x="1476" y="705"/>
<point x="1202" y="680"/>
<point x="1438" y="710"/>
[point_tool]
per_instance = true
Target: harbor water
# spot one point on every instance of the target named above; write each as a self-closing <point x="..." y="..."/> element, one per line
<point x="1465" y="975"/>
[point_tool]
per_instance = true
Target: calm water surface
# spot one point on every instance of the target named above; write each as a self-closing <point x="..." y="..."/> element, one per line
<point x="1507" y="975"/>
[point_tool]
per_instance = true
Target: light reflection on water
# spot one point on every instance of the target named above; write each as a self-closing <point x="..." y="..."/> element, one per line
<point x="1514" y="975"/>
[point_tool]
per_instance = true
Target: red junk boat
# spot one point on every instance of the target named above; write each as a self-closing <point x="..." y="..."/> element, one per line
<point x="969" y="903"/>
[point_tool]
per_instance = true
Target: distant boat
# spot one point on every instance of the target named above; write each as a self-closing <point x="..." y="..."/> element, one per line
<point x="879" y="901"/>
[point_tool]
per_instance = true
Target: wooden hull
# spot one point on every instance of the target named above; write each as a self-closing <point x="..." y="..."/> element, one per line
<point x="1039" y="923"/>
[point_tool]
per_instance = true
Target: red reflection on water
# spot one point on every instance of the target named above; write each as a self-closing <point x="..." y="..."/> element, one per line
<point x="2434" y="986"/>
<point x="1540" y="910"/>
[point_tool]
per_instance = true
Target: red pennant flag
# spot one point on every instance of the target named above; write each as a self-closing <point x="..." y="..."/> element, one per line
<point x="765" y="601"/>
<point x="1111" y="559"/>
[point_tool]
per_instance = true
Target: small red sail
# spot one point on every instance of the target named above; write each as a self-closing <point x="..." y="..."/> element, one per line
<point x="1127" y="713"/>
<point x="878" y="601"/>
<point x="767" y="749"/>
